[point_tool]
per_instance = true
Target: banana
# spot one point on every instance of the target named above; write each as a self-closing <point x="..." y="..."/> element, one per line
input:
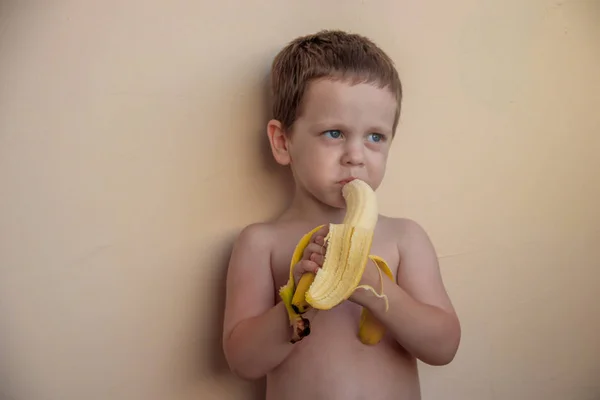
<point x="346" y="256"/>
<point x="300" y="325"/>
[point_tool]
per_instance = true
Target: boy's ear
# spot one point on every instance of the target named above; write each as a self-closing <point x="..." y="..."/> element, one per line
<point x="278" y="141"/>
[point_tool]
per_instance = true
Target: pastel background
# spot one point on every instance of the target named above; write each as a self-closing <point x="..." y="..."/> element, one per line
<point x="132" y="152"/>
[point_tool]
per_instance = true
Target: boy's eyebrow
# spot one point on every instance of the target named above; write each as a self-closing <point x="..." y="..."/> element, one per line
<point x="381" y="130"/>
<point x="333" y="124"/>
<point x="336" y="124"/>
<point x="327" y="124"/>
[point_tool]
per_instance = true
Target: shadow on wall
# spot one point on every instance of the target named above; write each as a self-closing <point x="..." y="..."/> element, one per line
<point x="277" y="179"/>
<point x="280" y="177"/>
<point x="218" y="364"/>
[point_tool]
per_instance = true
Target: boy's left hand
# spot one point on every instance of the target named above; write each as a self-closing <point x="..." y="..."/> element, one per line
<point x="371" y="278"/>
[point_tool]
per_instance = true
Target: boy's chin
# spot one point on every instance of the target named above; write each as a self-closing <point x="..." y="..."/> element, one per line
<point x="339" y="206"/>
<point x="337" y="202"/>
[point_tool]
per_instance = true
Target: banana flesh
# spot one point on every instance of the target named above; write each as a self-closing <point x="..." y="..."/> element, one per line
<point x="346" y="256"/>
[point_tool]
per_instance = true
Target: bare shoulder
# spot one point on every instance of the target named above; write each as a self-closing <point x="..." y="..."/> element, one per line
<point x="249" y="275"/>
<point x="418" y="270"/>
<point x="251" y="251"/>
<point x="409" y="236"/>
<point x="256" y="234"/>
<point x="409" y="233"/>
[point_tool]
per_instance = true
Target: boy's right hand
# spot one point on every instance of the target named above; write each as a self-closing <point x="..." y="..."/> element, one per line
<point x="313" y="256"/>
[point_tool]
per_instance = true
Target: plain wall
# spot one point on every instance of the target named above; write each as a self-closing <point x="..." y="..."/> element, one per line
<point x="132" y="152"/>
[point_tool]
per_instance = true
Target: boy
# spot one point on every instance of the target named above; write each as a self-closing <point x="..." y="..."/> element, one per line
<point x="336" y="106"/>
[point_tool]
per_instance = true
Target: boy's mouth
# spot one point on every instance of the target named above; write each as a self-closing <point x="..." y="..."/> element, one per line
<point x="347" y="180"/>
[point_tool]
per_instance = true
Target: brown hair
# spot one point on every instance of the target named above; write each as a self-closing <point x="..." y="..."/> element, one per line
<point x="330" y="54"/>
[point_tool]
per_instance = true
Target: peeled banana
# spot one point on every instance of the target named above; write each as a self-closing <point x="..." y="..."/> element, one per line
<point x="346" y="256"/>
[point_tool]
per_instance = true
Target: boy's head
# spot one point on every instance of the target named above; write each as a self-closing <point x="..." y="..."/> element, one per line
<point x="336" y="105"/>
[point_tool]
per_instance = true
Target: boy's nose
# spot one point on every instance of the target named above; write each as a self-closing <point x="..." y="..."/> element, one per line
<point x="353" y="155"/>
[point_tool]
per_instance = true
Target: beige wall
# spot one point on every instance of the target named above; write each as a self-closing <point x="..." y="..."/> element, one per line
<point x="123" y="125"/>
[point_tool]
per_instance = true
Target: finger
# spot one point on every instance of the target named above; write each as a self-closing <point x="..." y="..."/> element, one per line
<point x="320" y="240"/>
<point x="318" y="259"/>
<point x="312" y="248"/>
<point x="321" y="232"/>
<point x="310" y="266"/>
<point x="315" y="248"/>
<point x="305" y="266"/>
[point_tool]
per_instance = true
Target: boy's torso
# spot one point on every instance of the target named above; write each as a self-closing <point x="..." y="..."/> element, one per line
<point x="331" y="363"/>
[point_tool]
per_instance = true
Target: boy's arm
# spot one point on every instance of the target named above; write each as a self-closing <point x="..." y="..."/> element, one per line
<point x="420" y="314"/>
<point x="256" y="334"/>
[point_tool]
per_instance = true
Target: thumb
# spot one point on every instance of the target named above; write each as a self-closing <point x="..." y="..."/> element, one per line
<point x="304" y="266"/>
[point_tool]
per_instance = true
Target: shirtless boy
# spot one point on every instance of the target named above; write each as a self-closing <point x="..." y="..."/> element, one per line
<point x="336" y="106"/>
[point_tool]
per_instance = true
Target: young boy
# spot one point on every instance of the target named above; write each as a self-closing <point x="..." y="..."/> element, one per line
<point x="336" y="106"/>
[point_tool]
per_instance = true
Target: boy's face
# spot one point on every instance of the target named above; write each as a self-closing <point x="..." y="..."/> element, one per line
<point x="343" y="131"/>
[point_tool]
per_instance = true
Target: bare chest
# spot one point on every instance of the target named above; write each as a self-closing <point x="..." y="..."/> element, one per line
<point x="339" y="361"/>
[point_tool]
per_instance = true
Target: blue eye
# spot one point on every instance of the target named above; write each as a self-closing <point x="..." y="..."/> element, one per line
<point x="334" y="133"/>
<point x="376" y="137"/>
